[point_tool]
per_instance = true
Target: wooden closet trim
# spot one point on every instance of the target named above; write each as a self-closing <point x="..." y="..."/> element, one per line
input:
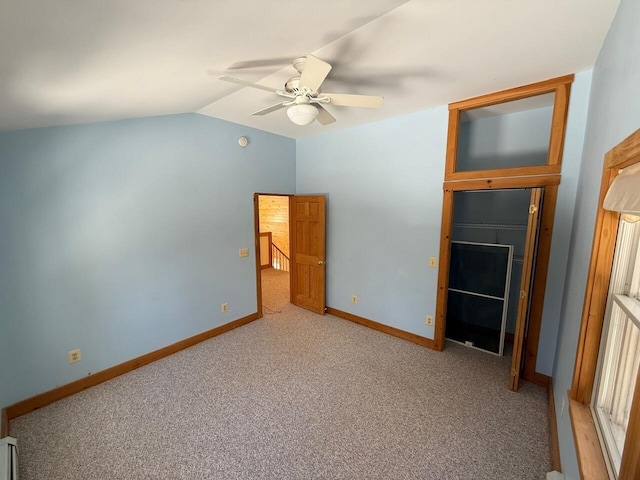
<point x="550" y="184"/>
<point x="541" y="269"/>
<point x="560" y="86"/>
<point x="547" y="176"/>
<point x="501" y="183"/>
<point x="525" y="91"/>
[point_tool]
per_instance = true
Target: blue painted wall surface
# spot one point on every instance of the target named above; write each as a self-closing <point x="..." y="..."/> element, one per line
<point x="614" y="113"/>
<point x="120" y="238"/>
<point x="512" y="140"/>
<point x="565" y="205"/>
<point x="383" y="184"/>
<point x="384" y="189"/>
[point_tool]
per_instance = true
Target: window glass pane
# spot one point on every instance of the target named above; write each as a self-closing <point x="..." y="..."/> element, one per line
<point x="619" y="358"/>
<point x="506" y="135"/>
<point x="619" y="374"/>
<point x="633" y="278"/>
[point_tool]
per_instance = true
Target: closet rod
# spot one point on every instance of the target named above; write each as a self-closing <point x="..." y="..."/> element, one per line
<point x="495" y="190"/>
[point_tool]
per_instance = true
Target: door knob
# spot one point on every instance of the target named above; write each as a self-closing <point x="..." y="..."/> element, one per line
<point x="320" y="262"/>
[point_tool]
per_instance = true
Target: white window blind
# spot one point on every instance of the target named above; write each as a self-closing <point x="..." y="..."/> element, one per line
<point x="619" y="358"/>
<point x="624" y="193"/>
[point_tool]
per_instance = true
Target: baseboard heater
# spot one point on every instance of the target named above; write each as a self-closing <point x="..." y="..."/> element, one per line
<point x="8" y="458"/>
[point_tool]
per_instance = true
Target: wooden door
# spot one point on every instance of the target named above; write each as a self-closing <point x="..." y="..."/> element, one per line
<point x="307" y="243"/>
<point x="525" y="286"/>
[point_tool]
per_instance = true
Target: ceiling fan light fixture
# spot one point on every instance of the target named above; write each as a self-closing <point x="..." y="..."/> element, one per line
<point x="302" y="114"/>
<point x="303" y="90"/>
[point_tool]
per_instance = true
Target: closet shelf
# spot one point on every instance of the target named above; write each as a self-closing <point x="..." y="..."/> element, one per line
<point x="492" y="226"/>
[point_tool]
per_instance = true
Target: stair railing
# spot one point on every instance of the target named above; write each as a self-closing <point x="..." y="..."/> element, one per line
<point x="279" y="260"/>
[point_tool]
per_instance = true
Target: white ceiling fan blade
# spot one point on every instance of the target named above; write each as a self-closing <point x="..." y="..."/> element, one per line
<point x="324" y="117"/>
<point x="247" y="84"/>
<point x="270" y="109"/>
<point x="350" y="100"/>
<point x="314" y="73"/>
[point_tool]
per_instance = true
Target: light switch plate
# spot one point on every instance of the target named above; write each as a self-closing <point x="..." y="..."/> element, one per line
<point x="243" y="252"/>
<point x="433" y="262"/>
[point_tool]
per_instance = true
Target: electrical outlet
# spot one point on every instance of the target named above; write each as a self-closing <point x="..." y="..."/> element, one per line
<point x="74" y="355"/>
<point x="433" y="262"/>
<point x="225" y="307"/>
<point x="354" y="299"/>
<point x="429" y="320"/>
<point x="243" y="252"/>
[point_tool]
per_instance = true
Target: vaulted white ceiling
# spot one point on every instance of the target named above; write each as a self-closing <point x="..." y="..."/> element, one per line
<point x="66" y="62"/>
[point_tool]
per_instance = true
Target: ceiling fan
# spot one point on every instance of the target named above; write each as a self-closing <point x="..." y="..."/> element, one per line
<point x="304" y="98"/>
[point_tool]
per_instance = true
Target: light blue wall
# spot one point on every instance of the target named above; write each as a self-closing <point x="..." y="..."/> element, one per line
<point x="117" y="237"/>
<point x="120" y="238"/>
<point x="565" y="205"/>
<point x="516" y="139"/>
<point x="614" y="113"/>
<point x="384" y="188"/>
<point x="383" y="183"/>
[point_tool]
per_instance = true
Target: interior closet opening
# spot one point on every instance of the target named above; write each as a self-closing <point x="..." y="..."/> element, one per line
<point x="504" y="143"/>
<point x="274" y="251"/>
<point x="488" y="253"/>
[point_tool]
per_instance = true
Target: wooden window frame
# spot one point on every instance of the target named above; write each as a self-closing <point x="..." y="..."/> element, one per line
<point x="560" y="86"/>
<point x="590" y="459"/>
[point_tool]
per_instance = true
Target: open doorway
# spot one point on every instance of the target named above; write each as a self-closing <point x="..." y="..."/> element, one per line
<point x="487" y="254"/>
<point x="506" y="140"/>
<point x="274" y="251"/>
<point x="490" y="220"/>
<point x="290" y="238"/>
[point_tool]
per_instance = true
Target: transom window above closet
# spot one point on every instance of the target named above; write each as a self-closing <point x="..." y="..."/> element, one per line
<point x="506" y="135"/>
<point x="519" y="133"/>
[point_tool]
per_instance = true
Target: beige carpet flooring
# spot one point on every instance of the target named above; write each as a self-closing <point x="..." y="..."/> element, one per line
<point x="275" y="290"/>
<point x="296" y="395"/>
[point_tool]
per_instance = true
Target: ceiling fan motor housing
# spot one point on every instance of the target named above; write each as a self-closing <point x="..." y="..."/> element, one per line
<point x="298" y="63"/>
<point x="292" y="85"/>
